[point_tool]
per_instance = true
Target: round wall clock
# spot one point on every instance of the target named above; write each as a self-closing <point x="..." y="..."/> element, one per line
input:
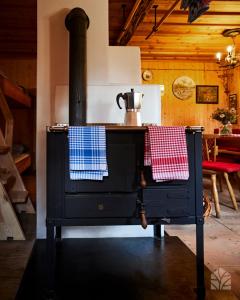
<point x="147" y="75"/>
<point x="183" y="87"/>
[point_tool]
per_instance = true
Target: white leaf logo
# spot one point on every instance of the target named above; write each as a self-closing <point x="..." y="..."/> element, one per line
<point x="220" y="280"/>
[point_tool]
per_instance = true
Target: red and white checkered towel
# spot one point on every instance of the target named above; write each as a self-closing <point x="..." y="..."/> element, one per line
<point x="166" y="152"/>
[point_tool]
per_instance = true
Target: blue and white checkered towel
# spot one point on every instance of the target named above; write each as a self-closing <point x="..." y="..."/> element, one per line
<point x="87" y="152"/>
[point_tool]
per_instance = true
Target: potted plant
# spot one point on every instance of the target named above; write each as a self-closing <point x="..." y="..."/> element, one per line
<point x="226" y="118"/>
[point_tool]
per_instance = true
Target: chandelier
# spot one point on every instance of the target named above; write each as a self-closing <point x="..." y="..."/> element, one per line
<point x="232" y="59"/>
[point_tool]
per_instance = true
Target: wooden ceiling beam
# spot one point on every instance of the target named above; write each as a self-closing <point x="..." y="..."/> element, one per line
<point x="183" y="29"/>
<point x="164" y="17"/>
<point x="201" y="24"/>
<point x="208" y="13"/>
<point x="210" y="20"/>
<point x="138" y="12"/>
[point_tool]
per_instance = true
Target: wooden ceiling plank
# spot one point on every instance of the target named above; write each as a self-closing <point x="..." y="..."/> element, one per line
<point x="184" y="29"/>
<point x="209" y="40"/>
<point x="210" y="19"/>
<point x="177" y="39"/>
<point x="189" y="46"/>
<point x="193" y="48"/>
<point x="179" y="55"/>
<point x="178" y="58"/>
<point x="18" y="55"/>
<point x="203" y="20"/>
<point x="185" y="13"/>
<point x="195" y="24"/>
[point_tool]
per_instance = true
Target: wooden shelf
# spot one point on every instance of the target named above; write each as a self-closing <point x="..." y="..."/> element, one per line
<point x="15" y="95"/>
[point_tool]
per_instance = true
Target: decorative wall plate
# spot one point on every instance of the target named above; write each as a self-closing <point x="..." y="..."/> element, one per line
<point x="183" y="87"/>
<point x="147" y="75"/>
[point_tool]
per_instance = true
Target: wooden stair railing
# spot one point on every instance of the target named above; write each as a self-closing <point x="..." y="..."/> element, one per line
<point x="4" y="149"/>
<point x="13" y="194"/>
<point x="8" y="136"/>
<point x="22" y="161"/>
<point x="14" y="93"/>
<point x="10" y="226"/>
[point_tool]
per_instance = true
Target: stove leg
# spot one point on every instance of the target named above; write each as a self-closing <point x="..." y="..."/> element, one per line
<point x="51" y="258"/>
<point x="159" y="231"/>
<point x="200" y="259"/>
<point x="59" y="233"/>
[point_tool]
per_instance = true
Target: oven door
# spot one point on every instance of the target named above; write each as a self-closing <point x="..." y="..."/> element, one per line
<point x="122" y="160"/>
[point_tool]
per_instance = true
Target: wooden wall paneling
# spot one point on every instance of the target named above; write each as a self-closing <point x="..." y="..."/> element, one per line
<point x="236" y="81"/>
<point x="18" y="28"/>
<point x="186" y="112"/>
<point x="233" y="87"/>
<point x="21" y="71"/>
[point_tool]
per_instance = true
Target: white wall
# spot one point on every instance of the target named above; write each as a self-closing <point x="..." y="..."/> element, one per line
<point x="102" y="106"/>
<point x="52" y="71"/>
<point x="124" y="65"/>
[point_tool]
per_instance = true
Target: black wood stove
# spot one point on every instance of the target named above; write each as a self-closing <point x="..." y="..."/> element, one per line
<point x="128" y="195"/>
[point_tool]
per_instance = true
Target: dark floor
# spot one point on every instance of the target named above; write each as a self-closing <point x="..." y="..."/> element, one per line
<point x="14" y="256"/>
<point x="120" y="268"/>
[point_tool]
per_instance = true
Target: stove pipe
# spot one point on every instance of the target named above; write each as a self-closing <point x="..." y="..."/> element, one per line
<point x="77" y="23"/>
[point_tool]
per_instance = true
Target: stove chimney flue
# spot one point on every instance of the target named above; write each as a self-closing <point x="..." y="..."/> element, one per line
<point x="77" y="23"/>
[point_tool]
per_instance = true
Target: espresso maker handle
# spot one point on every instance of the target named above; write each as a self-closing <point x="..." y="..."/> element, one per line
<point x="118" y="98"/>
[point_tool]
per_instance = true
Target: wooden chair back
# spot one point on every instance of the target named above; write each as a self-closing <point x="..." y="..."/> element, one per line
<point x="210" y="148"/>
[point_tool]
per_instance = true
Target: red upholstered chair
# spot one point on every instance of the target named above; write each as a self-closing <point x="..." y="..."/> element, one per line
<point x="213" y="168"/>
